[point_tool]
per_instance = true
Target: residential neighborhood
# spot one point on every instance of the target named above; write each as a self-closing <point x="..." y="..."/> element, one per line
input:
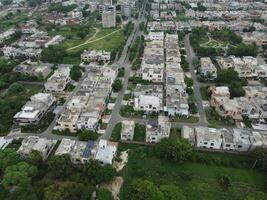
<point x="133" y="99"/>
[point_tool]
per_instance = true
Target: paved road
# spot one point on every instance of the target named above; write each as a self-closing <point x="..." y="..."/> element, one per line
<point x="190" y="56"/>
<point x="124" y="62"/>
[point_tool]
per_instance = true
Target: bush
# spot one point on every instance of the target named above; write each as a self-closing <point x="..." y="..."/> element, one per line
<point x="85" y="135"/>
<point x="117" y="85"/>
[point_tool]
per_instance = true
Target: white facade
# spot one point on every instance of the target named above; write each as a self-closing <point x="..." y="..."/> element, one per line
<point x="106" y="152"/>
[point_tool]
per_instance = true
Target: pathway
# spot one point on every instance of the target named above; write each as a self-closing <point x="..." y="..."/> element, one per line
<point x="91" y="41"/>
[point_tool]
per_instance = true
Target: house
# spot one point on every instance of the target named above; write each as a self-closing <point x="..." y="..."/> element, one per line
<point x="188" y="133"/>
<point x="158" y="131"/>
<point x="34" y="68"/>
<point x="68" y="120"/>
<point x="95" y="56"/>
<point x="106" y="152"/>
<point x="127" y="130"/>
<point x="33" y="110"/>
<point x="42" y="145"/>
<point x="155" y="36"/>
<point x="80" y="152"/>
<point x="207" y="68"/>
<point x="4" y="142"/>
<point x="208" y="138"/>
<point x="224" y="106"/>
<point x="58" y="81"/>
<point x="148" y="98"/>
<point x="6" y="35"/>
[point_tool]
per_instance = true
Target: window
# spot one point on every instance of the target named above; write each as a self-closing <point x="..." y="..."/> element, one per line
<point x="212" y="144"/>
<point x="228" y="145"/>
<point x="239" y="146"/>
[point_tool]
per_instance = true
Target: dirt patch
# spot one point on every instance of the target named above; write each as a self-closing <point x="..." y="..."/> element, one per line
<point x="114" y="186"/>
<point x="123" y="161"/>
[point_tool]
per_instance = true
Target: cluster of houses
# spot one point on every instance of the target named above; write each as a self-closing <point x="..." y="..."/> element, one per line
<point x="95" y="56"/>
<point x="240" y="140"/>
<point x="155" y="131"/>
<point x="80" y="152"/>
<point x="247" y="67"/>
<point x="30" y="44"/>
<point x="159" y="68"/>
<point x="73" y="17"/>
<point x="252" y="106"/>
<point x="85" y="108"/>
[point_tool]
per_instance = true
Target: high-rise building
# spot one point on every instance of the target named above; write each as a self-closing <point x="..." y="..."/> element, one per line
<point x="109" y="17"/>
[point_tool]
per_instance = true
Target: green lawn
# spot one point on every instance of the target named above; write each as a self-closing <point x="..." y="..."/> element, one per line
<point x="201" y="181"/>
<point x="109" y="43"/>
<point x="205" y="94"/>
<point x="139" y="132"/>
<point x="215" y="120"/>
<point x="13" y="21"/>
<point x="190" y="119"/>
<point x="116" y="133"/>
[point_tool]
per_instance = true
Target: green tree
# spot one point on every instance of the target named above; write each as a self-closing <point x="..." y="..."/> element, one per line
<point x="259" y="157"/>
<point x="104" y="194"/>
<point x="98" y="173"/>
<point x="20" y="174"/>
<point x="144" y="190"/>
<point x="60" y="166"/>
<point x="117" y="85"/>
<point x="35" y="158"/>
<point x="225" y="182"/>
<point x="25" y="193"/>
<point x="53" y="54"/>
<point x="178" y="150"/>
<point x="75" y="73"/>
<point x="85" y="135"/>
<point x="8" y="157"/>
<point x="16" y="88"/>
<point x="172" y="192"/>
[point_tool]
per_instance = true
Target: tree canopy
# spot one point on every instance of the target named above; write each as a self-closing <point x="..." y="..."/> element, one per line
<point x="20" y="174"/>
<point x="178" y="150"/>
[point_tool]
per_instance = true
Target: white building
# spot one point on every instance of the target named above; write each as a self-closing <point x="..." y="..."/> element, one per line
<point x="109" y="17"/>
<point x="95" y="56"/>
<point x="33" y="110"/>
<point x="156" y="132"/>
<point x="209" y="138"/>
<point x="58" y="81"/>
<point x="106" y="152"/>
<point x="42" y="145"/>
<point x="127" y="130"/>
<point x="207" y="68"/>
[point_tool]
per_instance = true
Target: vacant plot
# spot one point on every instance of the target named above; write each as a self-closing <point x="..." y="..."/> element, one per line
<point x="139" y="132"/>
<point x="196" y="181"/>
<point x="116" y="133"/>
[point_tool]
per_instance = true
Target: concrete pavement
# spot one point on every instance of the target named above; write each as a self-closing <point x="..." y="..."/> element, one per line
<point x="190" y="57"/>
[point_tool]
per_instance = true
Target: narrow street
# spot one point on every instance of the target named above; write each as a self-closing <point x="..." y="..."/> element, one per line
<point x="124" y="62"/>
<point x="190" y="57"/>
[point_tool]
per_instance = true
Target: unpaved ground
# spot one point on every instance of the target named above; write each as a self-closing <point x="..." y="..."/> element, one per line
<point x="124" y="159"/>
<point x="114" y="186"/>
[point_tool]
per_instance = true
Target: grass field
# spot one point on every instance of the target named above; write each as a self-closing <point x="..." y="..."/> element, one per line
<point x="116" y="133"/>
<point x="13" y="21"/>
<point x="139" y="132"/>
<point x="203" y="181"/>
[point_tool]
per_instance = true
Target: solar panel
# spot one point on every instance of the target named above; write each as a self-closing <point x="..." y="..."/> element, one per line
<point x="88" y="148"/>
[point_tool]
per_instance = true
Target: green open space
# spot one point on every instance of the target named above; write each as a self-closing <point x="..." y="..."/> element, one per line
<point x="12" y="20"/>
<point x="116" y="132"/>
<point x="215" y="120"/>
<point x="139" y="132"/>
<point x="195" y="180"/>
<point x="190" y="119"/>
